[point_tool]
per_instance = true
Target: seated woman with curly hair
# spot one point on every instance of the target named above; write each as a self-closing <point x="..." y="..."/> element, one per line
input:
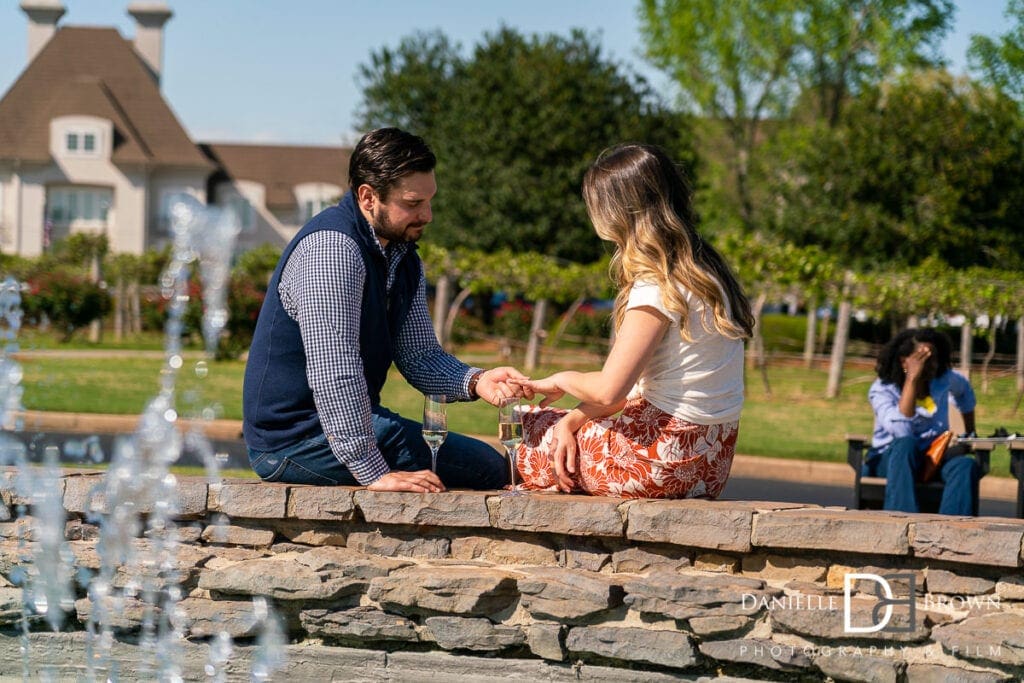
<point x="910" y="400"/>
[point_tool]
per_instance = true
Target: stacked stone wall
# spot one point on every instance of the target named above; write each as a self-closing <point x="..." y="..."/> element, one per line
<point x="477" y="586"/>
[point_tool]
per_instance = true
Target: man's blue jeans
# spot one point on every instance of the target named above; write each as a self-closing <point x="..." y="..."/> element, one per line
<point x="462" y="462"/>
<point x="900" y="464"/>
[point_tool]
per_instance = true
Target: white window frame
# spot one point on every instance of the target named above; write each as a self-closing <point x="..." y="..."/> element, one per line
<point x="312" y="207"/>
<point x="83" y="208"/>
<point x="81" y="136"/>
<point x="312" y="198"/>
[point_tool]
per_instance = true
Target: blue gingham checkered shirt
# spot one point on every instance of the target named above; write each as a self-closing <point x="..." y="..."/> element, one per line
<point x="321" y="288"/>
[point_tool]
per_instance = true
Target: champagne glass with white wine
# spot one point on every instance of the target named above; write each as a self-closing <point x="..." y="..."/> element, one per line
<point x="510" y="434"/>
<point x="435" y="425"/>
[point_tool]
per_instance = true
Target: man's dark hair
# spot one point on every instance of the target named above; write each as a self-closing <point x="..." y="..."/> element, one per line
<point x="889" y="368"/>
<point x="384" y="156"/>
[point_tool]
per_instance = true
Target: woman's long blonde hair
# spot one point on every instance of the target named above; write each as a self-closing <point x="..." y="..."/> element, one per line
<point x="638" y="199"/>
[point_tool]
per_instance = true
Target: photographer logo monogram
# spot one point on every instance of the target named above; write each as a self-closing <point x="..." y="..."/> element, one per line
<point x="886" y="601"/>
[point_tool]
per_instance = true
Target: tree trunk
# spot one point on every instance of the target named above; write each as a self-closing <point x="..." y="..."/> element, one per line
<point x="566" y="319"/>
<point x="119" y="304"/>
<point x="991" y="337"/>
<point x="442" y="295"/>
<point x="757" y="342"/>
<point x="135" y="302"/>
<point x="966" y="348"/>
<point x="96" y="275"/>
<point x="823" y="330"/>
<point x="838" y="356"/>
<point x="537" y="334"/>
<point x="812" y="319"/>
<point x="1020" y="355"/>
<point x="453" y="313"/>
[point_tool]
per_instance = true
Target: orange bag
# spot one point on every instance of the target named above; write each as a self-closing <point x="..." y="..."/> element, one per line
<point x="933" y="456"/>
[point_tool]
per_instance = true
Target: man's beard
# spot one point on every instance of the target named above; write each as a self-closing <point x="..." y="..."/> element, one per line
<point x="386" y="230"/>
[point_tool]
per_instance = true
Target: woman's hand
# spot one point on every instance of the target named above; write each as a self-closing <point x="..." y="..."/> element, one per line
<point x="917" y="360"/>
<point x="564" y="452"/>
<point x="550" y="387"/>
<point x="920" y="367"/>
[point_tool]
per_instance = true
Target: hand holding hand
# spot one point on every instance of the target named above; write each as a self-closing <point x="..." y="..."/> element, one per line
<point x="497" y="384"/>
<point x="420" y="481"/>
<point x="549" y="386"/>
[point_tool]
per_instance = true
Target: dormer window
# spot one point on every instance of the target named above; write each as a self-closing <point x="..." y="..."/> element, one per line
<point x="312" y="198"/>
<point x="81" y="143"/>
<point x="81" y="137"/>
<point x="312" y="207"/>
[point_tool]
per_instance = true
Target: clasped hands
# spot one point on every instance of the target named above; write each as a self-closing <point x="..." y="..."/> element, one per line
<point x="494" y="386"/>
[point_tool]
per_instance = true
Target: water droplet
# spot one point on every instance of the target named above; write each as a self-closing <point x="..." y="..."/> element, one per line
<point x="259" y="607"/>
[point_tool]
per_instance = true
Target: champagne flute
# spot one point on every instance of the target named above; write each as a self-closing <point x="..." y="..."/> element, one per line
<point x="435" y="425"/>
<point x="510" y="434"/>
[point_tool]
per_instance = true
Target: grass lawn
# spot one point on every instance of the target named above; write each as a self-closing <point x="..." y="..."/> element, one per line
<point x="793" y="421"/>
<point x="124" y="384"/>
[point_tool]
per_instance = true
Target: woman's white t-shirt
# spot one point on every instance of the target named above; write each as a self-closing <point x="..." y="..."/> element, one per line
<point x="699" y="381"/>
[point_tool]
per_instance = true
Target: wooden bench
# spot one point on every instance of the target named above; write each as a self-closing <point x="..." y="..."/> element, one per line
<point x="869" y="492"/>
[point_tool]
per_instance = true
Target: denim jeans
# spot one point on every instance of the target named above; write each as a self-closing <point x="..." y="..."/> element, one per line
<point x="462" y="462"/>
<point x="900" y="463"/>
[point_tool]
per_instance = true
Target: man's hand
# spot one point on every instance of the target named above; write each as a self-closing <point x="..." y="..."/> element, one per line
<point x="420" y="481"/>
<point x="494" y="386"/>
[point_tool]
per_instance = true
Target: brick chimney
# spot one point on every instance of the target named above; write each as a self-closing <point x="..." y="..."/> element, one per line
<point x="150" y="18"/>
<point x="43" y="16"/>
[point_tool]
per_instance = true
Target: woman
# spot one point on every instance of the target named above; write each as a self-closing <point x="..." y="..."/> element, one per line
<point x="910" y="400"/>
<point x="676" y="369"/>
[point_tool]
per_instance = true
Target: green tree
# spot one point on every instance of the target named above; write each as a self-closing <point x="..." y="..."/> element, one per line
<point x="747" y="67"/>
<point x="733" y="64"/>
<point x="409" y="86"/>
<point x="514" y="126"/>
<point x="848" y="45"/>
<point x="926" y="166"/>
<point x="1001" y="61"/>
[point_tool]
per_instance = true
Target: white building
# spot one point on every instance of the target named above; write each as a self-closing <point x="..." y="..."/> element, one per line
<point x="88" y="143"/>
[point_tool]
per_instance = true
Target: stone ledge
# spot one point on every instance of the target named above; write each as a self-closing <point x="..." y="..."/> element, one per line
<point x="412" y="586"/>
<point x="722" y="526"/>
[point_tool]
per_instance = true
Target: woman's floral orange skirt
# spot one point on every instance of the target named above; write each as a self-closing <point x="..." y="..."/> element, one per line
<point x="643" y="452"/>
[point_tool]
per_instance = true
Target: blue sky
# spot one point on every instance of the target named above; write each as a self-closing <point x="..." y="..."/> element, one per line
<point x="277" y="71"/>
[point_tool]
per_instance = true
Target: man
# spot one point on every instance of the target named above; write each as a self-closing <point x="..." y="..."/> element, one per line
<point x="910" y="400"/>
<point x="347" y="299"/>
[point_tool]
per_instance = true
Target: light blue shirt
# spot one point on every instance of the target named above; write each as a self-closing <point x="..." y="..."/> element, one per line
<point x="925" y="425"/>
